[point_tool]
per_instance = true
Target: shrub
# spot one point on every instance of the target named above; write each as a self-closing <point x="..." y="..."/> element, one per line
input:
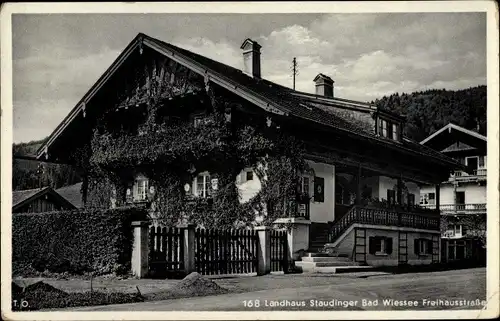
<point x="79" y="241"/>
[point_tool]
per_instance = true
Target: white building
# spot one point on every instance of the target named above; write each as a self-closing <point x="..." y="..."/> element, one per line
<point x="463" y="195"/>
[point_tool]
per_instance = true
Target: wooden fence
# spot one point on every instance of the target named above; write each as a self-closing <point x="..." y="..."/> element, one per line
<point x="176" y="251"/>
<point x="226" y="251"/>
<point x="166" y="250"/>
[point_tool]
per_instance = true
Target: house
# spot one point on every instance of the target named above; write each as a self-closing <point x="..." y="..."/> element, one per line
<point x="169" y="127"/>
<point x="463" y="194"/>
<point x="72" y="193"/>
<point x="39" y="200"/>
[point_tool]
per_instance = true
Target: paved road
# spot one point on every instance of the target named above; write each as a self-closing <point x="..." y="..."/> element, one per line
<point x="347" y="295"/>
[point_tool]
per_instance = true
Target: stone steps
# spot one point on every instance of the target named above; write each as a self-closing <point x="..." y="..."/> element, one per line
<point x="325" y="259"/>
<point x="342" y="269"/>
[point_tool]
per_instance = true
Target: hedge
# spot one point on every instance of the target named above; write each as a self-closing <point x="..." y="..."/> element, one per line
<point x="75" y="242"/>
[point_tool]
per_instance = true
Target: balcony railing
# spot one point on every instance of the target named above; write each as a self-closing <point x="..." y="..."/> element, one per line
<point x="386" y="217"/>
<point x="459" y="208"/>
<point x="476" y="174"/>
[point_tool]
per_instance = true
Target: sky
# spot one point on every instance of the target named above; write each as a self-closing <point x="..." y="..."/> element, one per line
<point x="58" y="57"/>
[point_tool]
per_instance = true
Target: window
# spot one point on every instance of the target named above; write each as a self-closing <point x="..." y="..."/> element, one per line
<point x="472" y="162"/>
<point x="411" y="199"/>
<point x="304" y="185"/>
<point x="432" y="198"/>
<point x="383" y="128"/>
<point x="198" y="120"/>
<point x="141" y="186"/>
<point x="391" y="196"/>
<point x="395" y="134"/>
<point x="481" y="162"/>
<point x="380" y="245"/>
<point x="249" y="175"/>
<point x="388" y="129"/>
<point x="454" y="230"/>
<point x="203" y="186"/>
<point x="423" y="247"/>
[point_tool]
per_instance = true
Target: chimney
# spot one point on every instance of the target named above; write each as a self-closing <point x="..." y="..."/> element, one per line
<point x="251" y="57"/>
<point x="324" y="86"/>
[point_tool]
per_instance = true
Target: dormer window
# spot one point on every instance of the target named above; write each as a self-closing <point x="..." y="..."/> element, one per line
<point x="395" y="132"/>
<point x="383" y="127"/>
<point x="388" y="129"/>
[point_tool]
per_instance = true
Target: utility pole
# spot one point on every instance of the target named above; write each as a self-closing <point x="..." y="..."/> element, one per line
<point x="295" y="71"/>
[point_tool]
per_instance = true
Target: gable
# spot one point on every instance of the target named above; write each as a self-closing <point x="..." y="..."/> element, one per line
<point x="449" y="135"/>
<point x="38" y="200"/>
<point x="458" y="146"/>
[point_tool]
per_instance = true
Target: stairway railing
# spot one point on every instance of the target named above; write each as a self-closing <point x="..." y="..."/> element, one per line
<point x="381" y="216"/>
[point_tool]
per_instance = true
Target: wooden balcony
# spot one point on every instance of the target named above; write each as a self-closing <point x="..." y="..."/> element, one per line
<point x="448" y="209"/>
<point x="418" y="219"/>
<point x="477" y="174"/>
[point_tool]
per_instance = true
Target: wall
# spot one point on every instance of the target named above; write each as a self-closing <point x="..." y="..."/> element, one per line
<point x="386" y="183"/>
<point x="414" y="189"/>
<point x="373" y="183"/>
<point x="346" y="246"/>
<point x="415" y="259"/>
<point x="247" y="189"/>
<point x="474" y="194"/>
<point x="324" y="211"/>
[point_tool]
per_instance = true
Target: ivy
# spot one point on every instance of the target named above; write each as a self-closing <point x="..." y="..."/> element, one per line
<point x="171" y="153"/>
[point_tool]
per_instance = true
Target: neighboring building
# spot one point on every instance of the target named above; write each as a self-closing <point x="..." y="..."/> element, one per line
<point x="39" y="200"/>
<point x="72" y="193"/>
<point x="463" y="194"/>
<point x="365" y="174"/>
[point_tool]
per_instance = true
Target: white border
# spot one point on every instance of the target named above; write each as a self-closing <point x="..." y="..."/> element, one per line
<point x="254" y="7"/>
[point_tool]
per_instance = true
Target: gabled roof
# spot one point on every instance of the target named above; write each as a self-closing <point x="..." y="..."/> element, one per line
<point x="270" y="96"/>
<point x="72" y="194"/>
<point x="23" y="197"/>
<point x="452" y="133"/>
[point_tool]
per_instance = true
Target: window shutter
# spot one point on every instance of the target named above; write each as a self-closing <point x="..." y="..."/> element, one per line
<point x="415" y="246"/>
<point x="388" y="245"/>
<point x="371" y="245"/>
<point x="429" y="246"/>
<point x="319" y="189"/>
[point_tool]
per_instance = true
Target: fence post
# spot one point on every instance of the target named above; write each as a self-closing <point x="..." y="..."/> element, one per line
<point x="189" y="247"/>
<point x="298" y="236"/>
<point x="264" y="250"/>
<point x="140" y="249"/>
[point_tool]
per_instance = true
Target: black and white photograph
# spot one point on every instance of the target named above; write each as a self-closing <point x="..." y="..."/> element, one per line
<point x="276" y="160"/>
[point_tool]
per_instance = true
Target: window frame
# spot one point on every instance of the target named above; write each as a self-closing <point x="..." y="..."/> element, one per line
<point x="251" y="176"/>
<point x="423" y="247"/>
<point x="205" y="183"/>
<point x="395" y="132"/>
<point x="381" y="246"/>
<point x="140" y="189"/>
<point x="431" y="201"/>
<point x="303" y="188"/>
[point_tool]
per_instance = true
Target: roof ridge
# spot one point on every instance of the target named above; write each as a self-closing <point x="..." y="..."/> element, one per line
<point x="32" y="189"/>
